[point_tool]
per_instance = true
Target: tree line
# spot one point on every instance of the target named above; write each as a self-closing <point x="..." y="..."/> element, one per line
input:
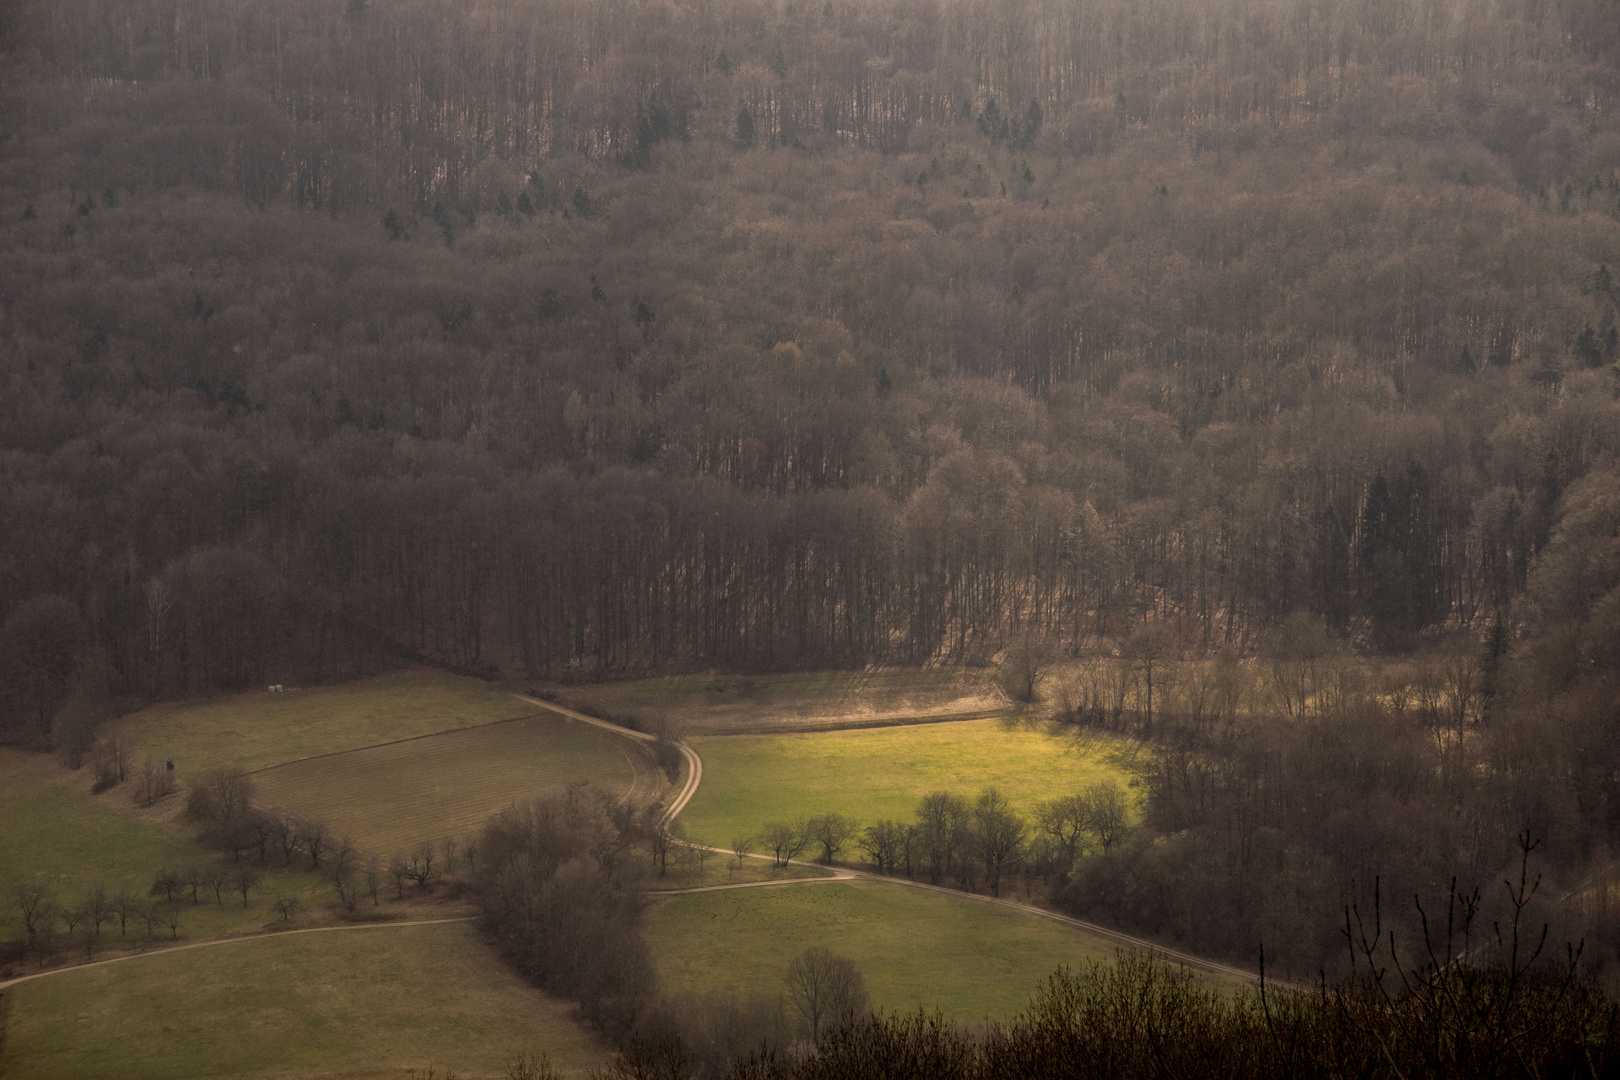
<point x="973" y="843"/>
<point x="559" y="893"/>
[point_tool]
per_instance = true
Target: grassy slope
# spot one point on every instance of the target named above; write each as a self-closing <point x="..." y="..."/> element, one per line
<point x="973" y="960"/>
<point x="391" y="798"/>
<point x="883" y="772"/>
<point x="53" y="832"/>
<point x="343" y="1003"/>
<point x="258" y="729"/>
<point x="707" y="704"/>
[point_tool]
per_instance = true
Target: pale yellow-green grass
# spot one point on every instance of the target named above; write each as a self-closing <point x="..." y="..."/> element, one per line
<point x="56" y="834"/>
<point x="869" y="774"/>
<point x="709" y="704"/>
<point x="366" y="1002"/>
<point x="391" y="798"/>
<point x="257" y="729"/>
<point x="916" y="948"/>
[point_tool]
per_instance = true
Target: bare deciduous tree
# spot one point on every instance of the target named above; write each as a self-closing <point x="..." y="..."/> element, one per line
<point x="1000" y="834"/>
<point x="244" y="880"/>
<point x="374" y="875"/>
<point x="315" y="840"/>
<point x="166" y="884"/>
<point x="98" y="907"/>
<point x="1148" y="650"/>
<point x="831" y="831"/>
<point x="827" y="990"/>
<point x="1110" y="812"/>
<point x="35" y="903"/>
<point x="785" y="840"/>
<point x="423" y="866"/>
<point x="126" y="907"/>
<point x="1024" y="668"/>
<point x="1064" y="821"/>
<point x="881" y="844"/>
<point x="216" y="877"/>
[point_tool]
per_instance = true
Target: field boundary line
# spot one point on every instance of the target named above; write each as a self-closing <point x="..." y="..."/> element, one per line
<point x="392" y="742"/>
<point x="263" y="936"/>
<point x="876" y="723"/>
<point x="750" y="885"/>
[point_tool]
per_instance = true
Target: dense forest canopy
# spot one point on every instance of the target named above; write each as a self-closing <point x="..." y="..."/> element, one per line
<point x="752" y="333"/>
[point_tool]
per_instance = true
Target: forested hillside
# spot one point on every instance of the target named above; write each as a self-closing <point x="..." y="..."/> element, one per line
<point x="762" y="334"/>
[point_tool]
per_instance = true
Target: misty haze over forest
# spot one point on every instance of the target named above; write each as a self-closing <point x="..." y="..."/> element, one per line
<point x="1237" y="378"/>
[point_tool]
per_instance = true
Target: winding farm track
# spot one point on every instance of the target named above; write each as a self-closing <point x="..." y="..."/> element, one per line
<point x="694" y="775"/>
<point x="677" y="803"/>
<point x="694" y="764"/>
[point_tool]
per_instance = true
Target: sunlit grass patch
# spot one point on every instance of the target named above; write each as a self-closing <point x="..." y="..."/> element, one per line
<point x="869" y="774"/>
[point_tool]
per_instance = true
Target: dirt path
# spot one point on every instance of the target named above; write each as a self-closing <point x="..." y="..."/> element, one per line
<point x="7" y="984"/>
<point x="694" y="764"/>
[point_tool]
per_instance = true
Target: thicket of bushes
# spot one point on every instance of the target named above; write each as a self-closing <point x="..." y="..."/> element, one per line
<point x="560" y="897"/>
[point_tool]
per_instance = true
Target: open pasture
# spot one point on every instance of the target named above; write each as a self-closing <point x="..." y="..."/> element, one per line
<point x="875" y="773"/>
<point x="716" y="704"/>
<point x="366" y="1002"/>
<point x="258" y="729"/>
<point x="54" y="833"/>
<point x="974" y="961"/>
<point x="391" y="798"/>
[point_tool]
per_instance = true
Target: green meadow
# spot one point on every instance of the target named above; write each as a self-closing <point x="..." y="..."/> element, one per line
<point x="365" y="1002"/>
<point x="392" y="797"/>
<point x="875" y="773"/>
<point x="55" y="833"/>
<point x="973" y="960"/>
<point x="259" y="729"/>
<point x="394" y="761"/>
